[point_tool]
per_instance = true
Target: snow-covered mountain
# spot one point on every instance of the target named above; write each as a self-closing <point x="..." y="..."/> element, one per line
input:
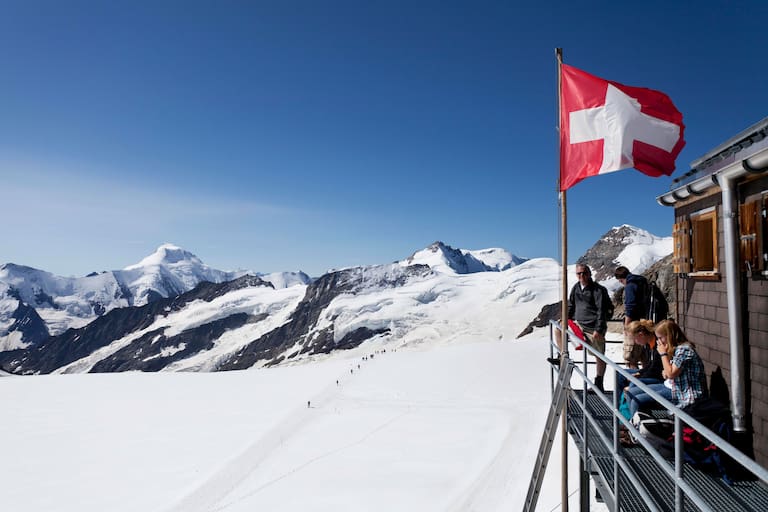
<point x="168" y="272"/>
<point x="635" y="248"/>
<point x="35" y="303"/>
<point x="444" y="258"/>
<point x="437" y="295"/>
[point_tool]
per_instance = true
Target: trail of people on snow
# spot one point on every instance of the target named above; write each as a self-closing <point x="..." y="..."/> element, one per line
<point x="208" y="496"/>
<point x="296" y="469"/>
<point x="427" y="417"/>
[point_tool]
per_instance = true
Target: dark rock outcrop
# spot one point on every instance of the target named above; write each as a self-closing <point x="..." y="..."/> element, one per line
<point x="154" y="351"/>
<point x="29" y="324"/>
<point x="548" y="312"/>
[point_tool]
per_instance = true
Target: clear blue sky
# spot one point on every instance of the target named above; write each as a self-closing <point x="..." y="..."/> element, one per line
<point x="290" y="135"/>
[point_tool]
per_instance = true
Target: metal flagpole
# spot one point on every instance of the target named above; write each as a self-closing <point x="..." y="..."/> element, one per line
<point x="564" y="294"/>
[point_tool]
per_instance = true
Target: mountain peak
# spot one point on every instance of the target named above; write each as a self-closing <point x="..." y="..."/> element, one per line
<point x="445" y="258"/>
<point x="633" y="247"/>
<point x="166" y="254"/>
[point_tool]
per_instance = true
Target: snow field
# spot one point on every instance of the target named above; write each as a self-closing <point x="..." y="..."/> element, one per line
<point x="455" y="427"/>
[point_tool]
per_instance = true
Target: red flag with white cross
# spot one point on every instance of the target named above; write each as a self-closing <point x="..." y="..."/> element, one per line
<point x="606" y="126"/>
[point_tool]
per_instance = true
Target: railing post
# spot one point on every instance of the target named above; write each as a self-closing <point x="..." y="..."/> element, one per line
<point x="678" y="463"/>
<point x="551" y="354"/>
<point x="584" y="485"/>
<point x="616" y="468"/>
<point x="587" y="463"/>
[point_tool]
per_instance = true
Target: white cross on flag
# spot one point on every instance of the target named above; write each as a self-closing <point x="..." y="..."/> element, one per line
<point x="606" y="126"/>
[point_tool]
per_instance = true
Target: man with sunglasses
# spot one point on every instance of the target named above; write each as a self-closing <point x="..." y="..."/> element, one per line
<point x="588" y="306"/>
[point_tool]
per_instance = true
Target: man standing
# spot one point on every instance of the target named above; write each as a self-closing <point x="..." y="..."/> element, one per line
<point x="588" y="307"/>
<point x="634" y="309"/>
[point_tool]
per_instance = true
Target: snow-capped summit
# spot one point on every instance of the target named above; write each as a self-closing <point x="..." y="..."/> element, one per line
<point x="496" y="258"/>
<point x="169" y="271"/>
<point x="167" y="254"/>
<point x="642" y="249"/>
<point x="444" y="258"/>
<point x="72" y="302"/>
<point x="286" y="279"/>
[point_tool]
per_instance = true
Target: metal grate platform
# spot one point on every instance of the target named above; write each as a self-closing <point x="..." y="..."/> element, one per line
<point x="743" y="495"/>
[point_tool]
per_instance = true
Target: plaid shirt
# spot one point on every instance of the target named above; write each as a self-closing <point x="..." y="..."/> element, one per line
<point x="691" y="383"/>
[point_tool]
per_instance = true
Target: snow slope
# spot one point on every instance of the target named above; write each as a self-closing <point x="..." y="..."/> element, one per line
<point x="429" y="428"/>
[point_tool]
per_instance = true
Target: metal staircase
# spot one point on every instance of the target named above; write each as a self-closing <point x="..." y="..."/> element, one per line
<point x="550" y="430"/>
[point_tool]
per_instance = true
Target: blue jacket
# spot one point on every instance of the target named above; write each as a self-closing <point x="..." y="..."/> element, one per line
<point x="634" y="297"/>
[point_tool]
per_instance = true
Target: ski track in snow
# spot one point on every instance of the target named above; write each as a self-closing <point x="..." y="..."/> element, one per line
<point x="209" y="495"/>
<point x="489" y="486"/>
<point x="491" y="483"/>
<point x="313" y="460"/>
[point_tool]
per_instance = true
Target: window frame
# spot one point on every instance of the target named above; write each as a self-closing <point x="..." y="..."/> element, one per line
<point x="696" y="244"/>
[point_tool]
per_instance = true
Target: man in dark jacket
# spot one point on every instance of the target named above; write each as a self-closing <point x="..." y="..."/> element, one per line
<point x="635" y="288"/>
<point x="588" y="307"/>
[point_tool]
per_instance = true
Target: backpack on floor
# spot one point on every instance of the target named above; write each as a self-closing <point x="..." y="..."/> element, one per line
<point x="700" y="451"/>
<point x="703" y="453"/>
<point x="659" y="432"/>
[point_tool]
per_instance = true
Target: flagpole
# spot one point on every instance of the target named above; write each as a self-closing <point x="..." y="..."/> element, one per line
<point x="564" y="295"/>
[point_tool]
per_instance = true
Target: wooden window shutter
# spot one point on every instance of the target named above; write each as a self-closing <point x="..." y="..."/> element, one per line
<point x="749" y="220"/>
<point x="704" y="241"/>
<point x="762" y="233"/>
<point x="681" y="257"/>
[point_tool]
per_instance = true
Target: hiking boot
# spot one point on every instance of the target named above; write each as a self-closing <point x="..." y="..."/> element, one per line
<point x="599" y="384"/>
<point x="554" y="361"/>
<point x="626" y="439"/>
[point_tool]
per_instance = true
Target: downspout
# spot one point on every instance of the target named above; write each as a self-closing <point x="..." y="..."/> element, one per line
<point x="727" y="182"/>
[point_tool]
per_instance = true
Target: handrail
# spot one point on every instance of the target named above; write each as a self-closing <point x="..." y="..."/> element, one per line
<point x="675" y="473"/>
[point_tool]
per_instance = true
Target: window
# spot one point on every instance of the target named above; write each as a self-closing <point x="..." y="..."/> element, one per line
<point x="695" y="244"/>
<point x="704" y="241"/>
<point x="751" y="229"/>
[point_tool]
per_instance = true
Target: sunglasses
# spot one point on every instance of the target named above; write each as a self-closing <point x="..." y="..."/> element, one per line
<point x="582" y="273"/>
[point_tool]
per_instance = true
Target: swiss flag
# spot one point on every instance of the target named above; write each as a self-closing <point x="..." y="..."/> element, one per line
<point x="606" y="126"/>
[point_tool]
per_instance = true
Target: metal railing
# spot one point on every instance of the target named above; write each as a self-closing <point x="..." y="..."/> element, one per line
<point x="673" y="469"/>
